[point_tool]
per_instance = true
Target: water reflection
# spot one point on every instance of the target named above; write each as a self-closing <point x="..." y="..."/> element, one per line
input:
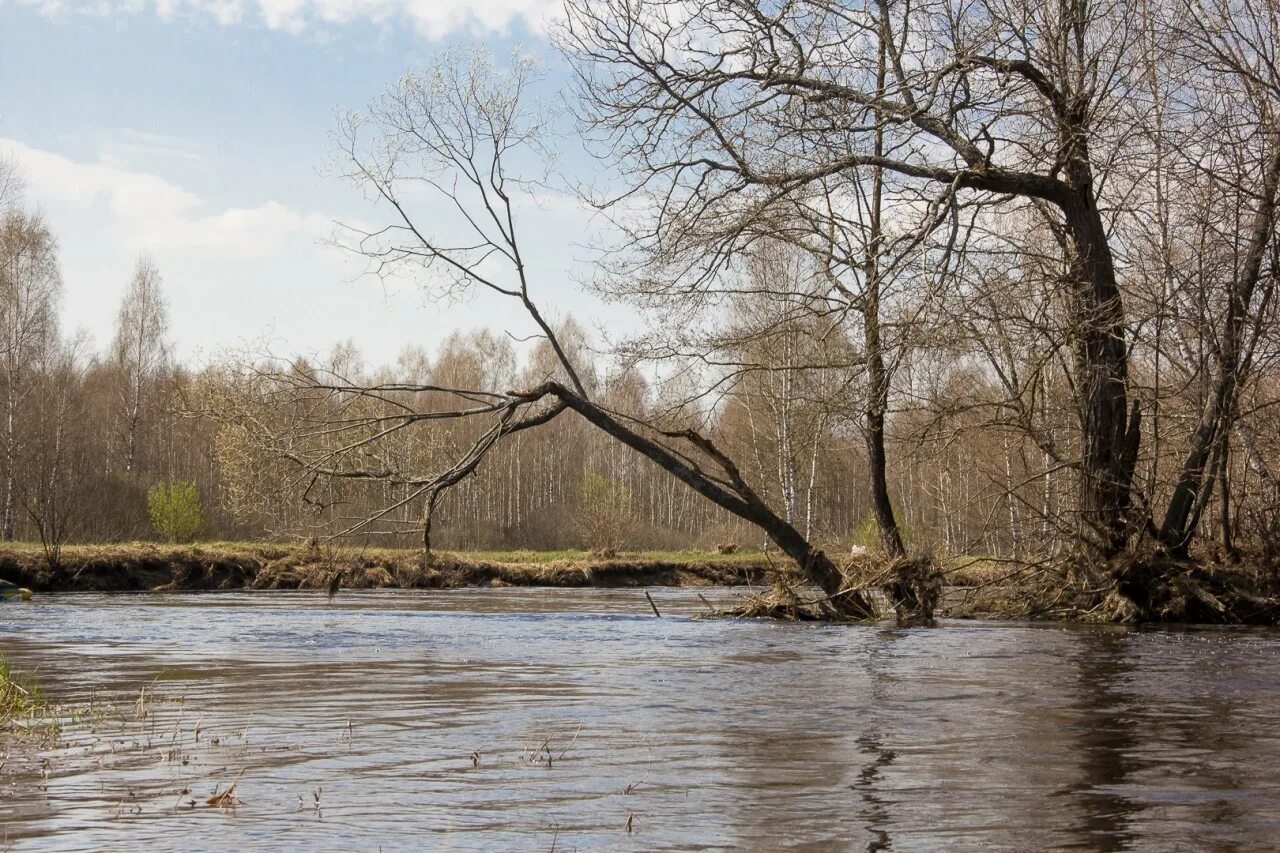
<point x="502" y="719"/>
<point x="1108" y="741"/>
<point x="874" y="811"/>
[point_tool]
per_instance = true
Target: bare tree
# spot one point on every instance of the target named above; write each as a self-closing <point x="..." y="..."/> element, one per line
<point x="140" y="349"/>
<point x="460" y="132"/>
<point x="1231" y="141"/>
<point x="58" y="464"/>
<point x="30" y="284"/>
<point x="724" y="108"/>
<point x="11" y="184"/>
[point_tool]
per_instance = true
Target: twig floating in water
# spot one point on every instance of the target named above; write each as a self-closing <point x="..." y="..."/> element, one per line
<point x="227" y="799"/>
<point x="651" y="604"/>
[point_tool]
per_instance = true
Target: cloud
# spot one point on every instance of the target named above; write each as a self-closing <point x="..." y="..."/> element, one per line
<point x="433" y="18"/>
<point x="154" y="213"/>
<point x="124" y="147"/>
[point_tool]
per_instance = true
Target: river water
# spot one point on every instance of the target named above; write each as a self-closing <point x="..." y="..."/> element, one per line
<point x="518" y="719"/>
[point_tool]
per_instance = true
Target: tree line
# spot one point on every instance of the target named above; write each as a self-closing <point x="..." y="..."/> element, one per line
<point x="88" y="434"/>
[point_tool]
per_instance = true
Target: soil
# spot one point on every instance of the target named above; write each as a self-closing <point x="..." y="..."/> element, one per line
<point x="158" y="568"/>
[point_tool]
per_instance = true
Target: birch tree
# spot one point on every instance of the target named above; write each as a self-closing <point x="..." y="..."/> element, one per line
<point x="139" y="349"/>
<point x="30" y="285"/>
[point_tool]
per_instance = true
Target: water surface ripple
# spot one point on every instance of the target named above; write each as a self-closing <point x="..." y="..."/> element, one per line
<point x="514" y="719"/>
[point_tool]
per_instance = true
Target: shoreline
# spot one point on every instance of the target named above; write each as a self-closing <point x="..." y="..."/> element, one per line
<point x="251" y="566"/>
<point x="972" y="588"/>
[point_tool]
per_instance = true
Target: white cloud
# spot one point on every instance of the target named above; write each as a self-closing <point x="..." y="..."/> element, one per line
<point x="255" y="268"/>
<point x="434" y="18"/>
<point x="156" y="214"/>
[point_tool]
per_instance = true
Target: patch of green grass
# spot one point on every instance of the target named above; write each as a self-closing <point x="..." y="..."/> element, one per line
<point x="20" y="698"/>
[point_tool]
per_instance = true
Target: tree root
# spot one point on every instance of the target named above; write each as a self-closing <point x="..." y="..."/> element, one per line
<point x="911" y="587"/>
<point x="1160" y="588"/>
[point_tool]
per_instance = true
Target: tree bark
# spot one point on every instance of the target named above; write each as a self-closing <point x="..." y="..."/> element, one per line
<point x="877" y="375"/>
<point x="1110" y="430"/>
<point x="877" y="464"/>
<point x="11" y="462"/>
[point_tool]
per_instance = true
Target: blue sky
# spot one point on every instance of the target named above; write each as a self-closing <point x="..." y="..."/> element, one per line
<point x="196" y="131"/>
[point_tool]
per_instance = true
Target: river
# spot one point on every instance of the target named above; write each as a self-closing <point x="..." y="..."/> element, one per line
<point x="527" y="719"/>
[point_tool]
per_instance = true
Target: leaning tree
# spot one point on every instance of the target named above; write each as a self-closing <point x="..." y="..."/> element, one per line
<point x="472" y="137"/>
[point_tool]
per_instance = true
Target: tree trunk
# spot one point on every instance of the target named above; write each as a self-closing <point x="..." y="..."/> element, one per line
<point x="131" y="434"/>
<point x="1110" y="430"/>
<point x="877" y="375"/>
<point x="1224" y="477"/>
<point x="11" y="462"/>
<point x="1181" y="515"/>
<point x="881" y="506"/>
<point x="741" y="501"/>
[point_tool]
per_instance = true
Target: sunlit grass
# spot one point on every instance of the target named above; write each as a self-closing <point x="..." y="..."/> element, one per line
<point x="19" y="696"/>
<point x="135" y="566"/>
<point x="513" y="555"/>
<point x="23" y="709"/>
<point x="529" y="556"/>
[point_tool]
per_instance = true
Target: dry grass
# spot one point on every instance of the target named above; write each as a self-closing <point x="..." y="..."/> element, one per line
<point x="26" y="717"/>
<point x="782" y="601"/>
<point x="252" y="565"/>
<point x="1133" y="587"/>
<point x="909" y="588"/>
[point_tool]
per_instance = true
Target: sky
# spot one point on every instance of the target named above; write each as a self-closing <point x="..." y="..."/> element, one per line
<point x="197" y="132"/>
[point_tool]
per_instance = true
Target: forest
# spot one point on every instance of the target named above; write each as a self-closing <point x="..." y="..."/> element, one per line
<point x="920" y="281"/>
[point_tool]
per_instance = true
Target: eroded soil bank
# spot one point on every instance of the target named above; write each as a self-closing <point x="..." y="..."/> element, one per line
<point x="157" y="568"/>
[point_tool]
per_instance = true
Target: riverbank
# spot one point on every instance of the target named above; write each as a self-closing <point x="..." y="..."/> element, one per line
<point x="149" y="567"/>
<point x="1193" y="591"/>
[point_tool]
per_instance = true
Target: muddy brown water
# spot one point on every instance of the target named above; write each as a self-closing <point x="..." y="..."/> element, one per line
<point x="425" y="720"/>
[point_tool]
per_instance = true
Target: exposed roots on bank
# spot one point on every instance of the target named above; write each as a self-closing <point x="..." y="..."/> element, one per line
<point x="910" y="588"/>
<point x="1150" y="587"/>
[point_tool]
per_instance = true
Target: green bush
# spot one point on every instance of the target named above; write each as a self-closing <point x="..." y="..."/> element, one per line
<point x="175" y="510"/>
<point x="867" y="533"/>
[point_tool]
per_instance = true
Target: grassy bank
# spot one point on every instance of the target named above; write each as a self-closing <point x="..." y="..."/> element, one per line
<point x="132" y="567"/>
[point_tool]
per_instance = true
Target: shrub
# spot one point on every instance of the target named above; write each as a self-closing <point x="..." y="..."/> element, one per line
<point x="175" y="510"/>
<point x="604" y="518"/>
<point x="867" y="534"/>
